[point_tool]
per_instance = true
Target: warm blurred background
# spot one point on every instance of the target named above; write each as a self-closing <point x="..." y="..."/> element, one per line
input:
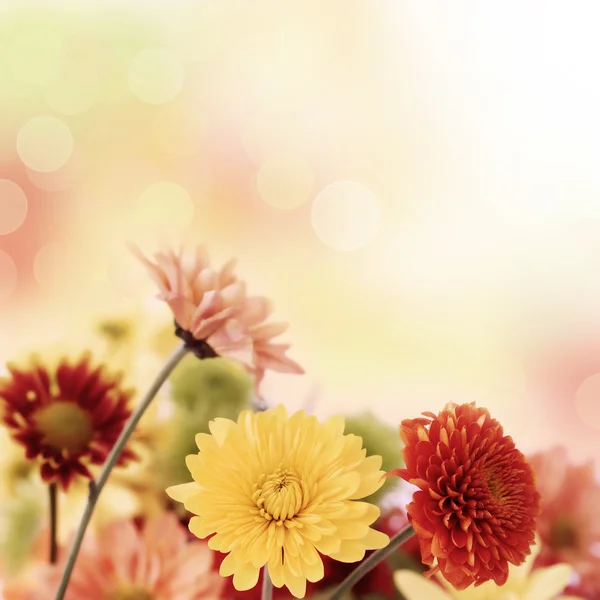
<point x="416" y="186"/>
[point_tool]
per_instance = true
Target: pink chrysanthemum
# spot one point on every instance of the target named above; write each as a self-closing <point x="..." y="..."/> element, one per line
<point x="213" y="315"/>
<point x="569" y="523"/>
<point x="158" y="562"/>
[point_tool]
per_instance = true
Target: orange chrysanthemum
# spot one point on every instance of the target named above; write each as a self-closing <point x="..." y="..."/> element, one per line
<point x="125" y="563"/>
<point x="213" y="315"/>
<point x="476" y="507"/>
<point x="68" y="417"/>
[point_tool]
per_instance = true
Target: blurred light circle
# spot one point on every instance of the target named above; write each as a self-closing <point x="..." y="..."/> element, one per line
<point x="13" y="206"/>
<point x="587" y="401"/>
<point x="156" y="75"/>
<point x="8" y="275"/>
<point x="74" y="92"/>
<point x="178" y="131"/>
<point x="165" y="208"/>
<point x="45" y="143"/>
<point x="34" y="55"/>
<point x="346" y="215"/>
<point x="285" y="181"/>
<point x="48" y="266"/>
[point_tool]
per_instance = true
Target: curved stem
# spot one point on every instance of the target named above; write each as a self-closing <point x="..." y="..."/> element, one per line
<point x="267" y="585"/>
<point x="53" y="552"/>
<point x="113" y="457"/>
<point x="370" y="563"/>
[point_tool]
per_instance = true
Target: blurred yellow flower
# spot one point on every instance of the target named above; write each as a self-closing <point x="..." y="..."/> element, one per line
<point x="278" y="490"/>
<point x="522" y="584"/>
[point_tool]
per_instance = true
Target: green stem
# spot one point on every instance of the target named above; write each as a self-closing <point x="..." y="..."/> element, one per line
<point x="113" y="457"/>
<point x="52" y="489"/>
<point x="370" y="563"/>
<point x="267" y="585"/>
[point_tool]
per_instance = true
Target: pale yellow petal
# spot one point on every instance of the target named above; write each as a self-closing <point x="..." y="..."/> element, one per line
<point x="183" y="491"/>
<point x="193" y="462"/>
<point x="544" y="584"/>
<point x="220" y="429"/>
<point x="206" y="442"/>
<point x="280" y="412"/>
<point x="314" y="571"/>
<point x="335" y="425"/>
<point x="375" y="540"/>
<point x="245" y="577"/>
<point x="228" y="566"/>
<point x="350" y="551"/>
<point x="296" y="585"/>
<point x="371" y="478"/>
<point x="328" y="545"/>
<point x="199" y="528"/>
<point x="416" y="587"/>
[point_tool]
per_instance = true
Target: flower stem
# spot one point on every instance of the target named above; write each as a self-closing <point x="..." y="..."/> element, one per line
<point x="267" y="585"/>
<point x="113" y="457"/>
<point x="370" y="563"/>
<point x="52" y="489"/>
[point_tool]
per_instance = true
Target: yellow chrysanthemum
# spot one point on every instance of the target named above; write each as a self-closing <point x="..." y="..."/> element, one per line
<point x="277" y="491"/>
<point x="522" y="584"/>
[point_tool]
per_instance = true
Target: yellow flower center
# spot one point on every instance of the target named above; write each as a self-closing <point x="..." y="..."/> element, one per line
<point x="65" y="426"/>
<point x="127" y="592"/>
<point x="279" y="496"/>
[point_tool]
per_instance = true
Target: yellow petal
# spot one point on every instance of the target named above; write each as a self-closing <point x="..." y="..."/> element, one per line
<point x="220" y="429"/>
<point x="193" y="462"/>
<point x="314" y="571"/>
<point x="415" y="587"/>
<point x="296" y="585"/>
<point x="228" y="566"/>
<point x="375" y="540"/>
<point x="335" y="425"/>
<point x="350" y="551"/>
<point x="205" y="442"/>
<point x="200" y="529"/>
<point x="183" y="491"/>
<point x="245" y="577"/>
<point x="328" y="545"/>
<point x="546" y="583"/>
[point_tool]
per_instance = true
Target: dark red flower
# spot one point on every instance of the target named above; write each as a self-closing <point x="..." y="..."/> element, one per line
<point x="68" y="417"/>
<point x="475" y="510"/>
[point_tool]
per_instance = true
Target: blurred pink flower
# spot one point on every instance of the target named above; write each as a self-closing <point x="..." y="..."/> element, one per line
<point x="587" y="585"/>
<point x="569" y="522"/>
<point x="123" y="562"/>
<point x="213" y="315"/>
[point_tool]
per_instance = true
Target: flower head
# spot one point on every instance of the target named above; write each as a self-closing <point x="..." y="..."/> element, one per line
<point x="68" y="417"/>
<point x="522" y="584"/>
<point x="474" y="512"/>
<point x="213" y="315"/>
<point x="277" y="490"/>
<point x="126" y="563"/>
<point x="569" y="522"/>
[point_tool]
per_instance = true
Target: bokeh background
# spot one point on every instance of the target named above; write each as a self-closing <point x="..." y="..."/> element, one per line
<point x="416" y="185"/>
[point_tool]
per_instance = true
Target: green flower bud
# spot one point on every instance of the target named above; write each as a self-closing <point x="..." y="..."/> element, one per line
<point x="213" y="387"/>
